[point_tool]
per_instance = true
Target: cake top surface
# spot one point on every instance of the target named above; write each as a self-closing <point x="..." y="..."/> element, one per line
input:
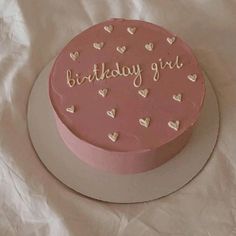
<point x="126" y="85"/>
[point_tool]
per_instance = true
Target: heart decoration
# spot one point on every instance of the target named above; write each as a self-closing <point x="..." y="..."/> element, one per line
<point x="131" y="30"/>
<point x="170" y="40"/>
<point x="108" y="28"/>
<point x="113" y="136"/>
<point x="70" y="109"/>
<point x="177" y="97"/>
<point x="74" y="55"/>
<point x="149" y="46"/>
<point x="192" y="77"/>
<point x="112" y="113"/>
<point x="174" y="125"/>
<point x="143" y="92"/>
<point x="98" y="46"/>
<point x="103" y="92"/>
<point x="144" y="121"/>
<point x="121" y="49"/>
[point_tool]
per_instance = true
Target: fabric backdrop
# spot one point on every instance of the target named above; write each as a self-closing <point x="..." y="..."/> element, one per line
<point x="32" y="201"/>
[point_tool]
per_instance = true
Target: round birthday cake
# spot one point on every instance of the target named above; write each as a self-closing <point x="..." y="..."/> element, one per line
<point x="126" y="95"/>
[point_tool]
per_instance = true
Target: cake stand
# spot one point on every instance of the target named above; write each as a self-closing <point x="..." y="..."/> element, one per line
<point x="105" y="186"/>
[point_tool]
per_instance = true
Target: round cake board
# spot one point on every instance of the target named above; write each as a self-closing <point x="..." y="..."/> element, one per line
<point x="105" y="186"/>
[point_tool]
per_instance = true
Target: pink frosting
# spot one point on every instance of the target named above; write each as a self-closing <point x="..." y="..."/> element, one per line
<point x="86" y="130"/>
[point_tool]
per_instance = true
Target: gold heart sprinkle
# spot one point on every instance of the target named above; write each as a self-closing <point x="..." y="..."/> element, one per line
<point x="112" y="113"/>
<point x="177" y="97"/>
<point x="103" y="92"/>
<point x="170" y="40"/>
<point x="144" y="121"/>
<point x="192" y="77"/>
<point x="143" y="92"/>
<point x="131" y="30"/>
<point x="98" y="46"/>
<point x="149" y="46"/>
<point x="108" y="28"/>
<point x="113" y="136"/>
<point x="174" y="125"/>
<point x="121" y="49"/>
<point x="74" y="55"/>
<point x="70" y="109"/>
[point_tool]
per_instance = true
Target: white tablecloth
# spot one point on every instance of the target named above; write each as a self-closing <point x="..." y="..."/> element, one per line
<point x="32" y="201"/>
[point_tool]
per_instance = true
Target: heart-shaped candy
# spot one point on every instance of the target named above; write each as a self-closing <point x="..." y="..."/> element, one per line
<point x="143" y="92"/>
<point x="174" y="125"/>
<point x="131" y="30"/>
<point x="70" y="109"/>
<point x="74" y="55"/>
<point x="170" y="40"/>
<point x="103" y="92"/>
<point x="112" y="113"/>
<point x="177" y="97"/>
<point x="108" y="28"/>
<point x="113" y="136"/>
<point x="149" y="46"/>
<point x="192" y="77"/>
<point x="144" y="121"/>
<point x="98" y="46"/>
<point x="121" y="49"/>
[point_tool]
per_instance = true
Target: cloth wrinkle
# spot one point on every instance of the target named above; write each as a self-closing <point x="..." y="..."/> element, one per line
<point x="32" y="201"/>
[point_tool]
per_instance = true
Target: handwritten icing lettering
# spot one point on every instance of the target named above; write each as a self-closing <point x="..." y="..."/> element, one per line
<point x="156" y="67"/>
<point x="69" y="80"/>
<point x="79" y="80"/>
<point x="101" y="72"/>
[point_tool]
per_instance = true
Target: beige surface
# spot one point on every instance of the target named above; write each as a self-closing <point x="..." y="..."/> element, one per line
<point x="32" y="202"/>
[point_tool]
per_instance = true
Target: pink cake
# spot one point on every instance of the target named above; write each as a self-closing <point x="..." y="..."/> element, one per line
<point x="126" y="95"/>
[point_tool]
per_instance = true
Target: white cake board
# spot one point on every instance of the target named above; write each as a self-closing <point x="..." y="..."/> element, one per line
<point x="94" y="183"/>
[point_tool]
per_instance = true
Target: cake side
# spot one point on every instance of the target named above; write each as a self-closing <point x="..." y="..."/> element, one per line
<point x="121" y="162"/>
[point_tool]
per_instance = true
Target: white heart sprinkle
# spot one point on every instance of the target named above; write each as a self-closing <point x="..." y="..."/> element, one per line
<point x="70" y="109"/>
<point x="108" y="28"/>
<point x="131" y="30"/>
<point x="170" y="40"/>
<point x="103" y="92"/>
<point x="192" y="77"/>
<point x="174" y="125"/>
<point x="143" y="92"/>
<point x="98" y="46"/>
<point x="144" y="121"/>
<point x="149" y="46"/>
<point x="74" y="55"/>
<point x="121" y="49"/>
<point x="112" y="113"/>
<point x="113" y="136"/>
<point x="177" y="97"/>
